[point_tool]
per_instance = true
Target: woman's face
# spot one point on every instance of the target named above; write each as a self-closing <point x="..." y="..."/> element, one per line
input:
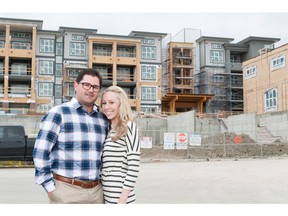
<point x="111" y="106"/>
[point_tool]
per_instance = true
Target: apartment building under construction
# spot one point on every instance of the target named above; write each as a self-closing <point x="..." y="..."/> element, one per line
<point x="38" y="67"/>
<point x="179" y="76"/>
<point x="220" y="70"/>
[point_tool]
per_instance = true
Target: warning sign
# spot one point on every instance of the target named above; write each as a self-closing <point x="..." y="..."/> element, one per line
<point x="237" y="139"/>
<point x="181" y="141"/>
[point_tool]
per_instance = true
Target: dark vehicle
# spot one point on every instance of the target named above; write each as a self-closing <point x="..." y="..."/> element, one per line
<point x="15" y="144"/>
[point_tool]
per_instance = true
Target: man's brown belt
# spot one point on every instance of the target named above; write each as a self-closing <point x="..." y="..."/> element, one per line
<point x="77" y="182"/>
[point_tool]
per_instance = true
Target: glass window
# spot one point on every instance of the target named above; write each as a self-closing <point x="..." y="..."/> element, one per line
<point x="58" y="91"/>
<point x="216" y="46"/>
<point x="2" y="44"/>
<point x="148" y="52"/>
<point x="71" y="89"/>
<point x="46" y="45"/>
<point x="270" y="100"/>
<point x="45" y="67"/>
<point x="58" y="71"/>
<point x="77" y="49"/>
<point x="148" y="41"/>
<point x="278" y="62"/>
<point x="251" y="72"/>
<point x="76" y="37"/>
<point x="148" y="73"/>
<point x="216" y="56"/>
<point x="59" y="49"/>
<point x="148" y="93"/>
<point x="21" y="45"/>
<point x="45" y="89"/>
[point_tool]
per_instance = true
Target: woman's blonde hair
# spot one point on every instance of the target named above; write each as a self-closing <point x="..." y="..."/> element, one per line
<point x="125" y="111"/>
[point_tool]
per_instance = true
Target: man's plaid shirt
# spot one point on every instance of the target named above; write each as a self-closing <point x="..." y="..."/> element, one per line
<point x="69" y="143"/>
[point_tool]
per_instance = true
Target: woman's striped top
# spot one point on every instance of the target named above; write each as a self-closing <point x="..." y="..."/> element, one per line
<point x="121" y="159"/>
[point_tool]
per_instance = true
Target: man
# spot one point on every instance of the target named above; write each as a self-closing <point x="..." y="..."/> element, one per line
<point x="69" y="144"/>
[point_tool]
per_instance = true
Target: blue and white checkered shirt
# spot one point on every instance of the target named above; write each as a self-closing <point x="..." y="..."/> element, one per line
<point x="69" y="143"/>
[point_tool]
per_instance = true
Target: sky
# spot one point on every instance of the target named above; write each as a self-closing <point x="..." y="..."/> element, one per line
<point x="211" y="19"/>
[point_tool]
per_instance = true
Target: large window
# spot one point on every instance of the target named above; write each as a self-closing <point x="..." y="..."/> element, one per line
<point x="270" y="98"/>
<point x="148" y="93"/>
<point x="148" y="52"/>
<point x="77" y="49"/>
<point x="45" y="89"/>
<point x="148" y="72"/>
<point x="216" y="56"/>
<point x="46" y="45"/>
<point x="45" y="67"/>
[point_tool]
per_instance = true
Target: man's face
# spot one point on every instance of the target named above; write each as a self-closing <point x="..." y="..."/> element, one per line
<point x="85" y="95"/>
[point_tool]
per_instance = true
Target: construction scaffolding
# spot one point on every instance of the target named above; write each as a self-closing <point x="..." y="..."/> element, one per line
<point x="180" y="65"/>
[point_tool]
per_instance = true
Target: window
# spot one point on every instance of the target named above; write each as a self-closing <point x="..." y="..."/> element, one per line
<point x="45" y="67"/>
<point x="21" y="45"/>
<point x="19" y="90"/>
<point x="148" y="41"/>
<point x="216" y="46"/>
<point x="148" y="93"/>
<point x="123" y="74"/>
<point x="148" y="72"/>
<point x="270" y="100"/>
<point x="77" y="37"/>
<point x="216" y="56"/>
<point x="71" y="90"/>
<point x="235" y="59"/>
<point x="45" y="89"/>
<point x="46" y="46"/>
<point x="1" y="90"/>
<point x="217" y="79"/>
<point x="58" y="91"/>
<point x="20" y="35"/>
<point x="58" y="71"/>
<point x="103" y="70"/>
<point x="45" y="107"/>
<point x="149" y="109"/>
<point x="77" y="49"/>
<point x="59" y="49"/>
<point x="1" y="68"/>
<point x="102" y="50"/>
<point x="148" y="52"/>
<point x="126" y="52"/>
<point x="19" y="69"/>
<point x="73" y="73"/>
<point x="278" y="62"/>
<point x="2" y="44"/>
<point x="251" y="72"/>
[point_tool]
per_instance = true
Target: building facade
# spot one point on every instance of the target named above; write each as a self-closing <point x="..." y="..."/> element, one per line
<point x="266" y="81"/>
<point x="220" y="70"/>
<point x="38" y="67"/>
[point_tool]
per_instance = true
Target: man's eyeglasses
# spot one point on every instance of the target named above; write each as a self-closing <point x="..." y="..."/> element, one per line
<point x="87" y="86"/>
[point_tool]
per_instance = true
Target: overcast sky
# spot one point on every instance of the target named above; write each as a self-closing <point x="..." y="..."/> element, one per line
<point x="169" y="17"/>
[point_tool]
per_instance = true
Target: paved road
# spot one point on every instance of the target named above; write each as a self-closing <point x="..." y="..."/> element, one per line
<point x="249" y="181"/>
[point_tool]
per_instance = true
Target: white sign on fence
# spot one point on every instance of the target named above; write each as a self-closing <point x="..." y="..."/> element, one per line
<point x="146" y="142"/>
<point x="169" y="140"/>
<point x="195" y="140"/>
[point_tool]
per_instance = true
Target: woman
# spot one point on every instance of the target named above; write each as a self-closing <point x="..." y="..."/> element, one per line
<point x="121" y="154"/>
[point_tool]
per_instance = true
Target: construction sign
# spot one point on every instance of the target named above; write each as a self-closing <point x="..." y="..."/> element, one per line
<point x="181" y="141"/>
<point x="237" y="139"/>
